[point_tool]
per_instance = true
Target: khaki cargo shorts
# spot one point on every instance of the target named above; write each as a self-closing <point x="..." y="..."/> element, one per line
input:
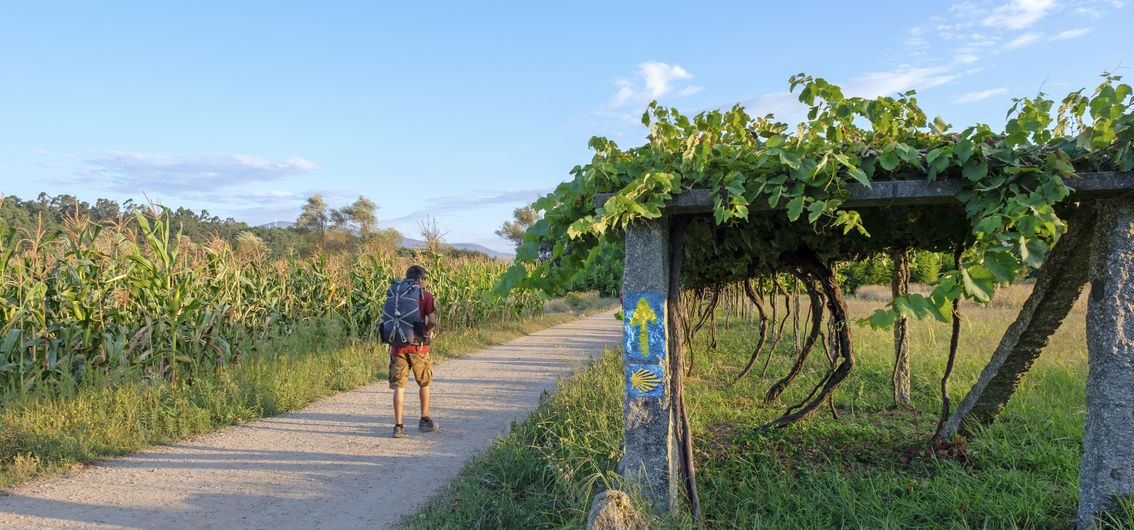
<point x="402" y="363"/>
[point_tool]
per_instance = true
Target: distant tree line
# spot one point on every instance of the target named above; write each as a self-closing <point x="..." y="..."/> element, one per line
<point x="352" y="228"/>
<point x="319" y="228"/>
<point x="47" y="214"/>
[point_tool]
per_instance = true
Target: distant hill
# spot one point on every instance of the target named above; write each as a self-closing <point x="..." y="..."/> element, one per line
<point x="417" y="243"/>
<point x="508" y="256"/>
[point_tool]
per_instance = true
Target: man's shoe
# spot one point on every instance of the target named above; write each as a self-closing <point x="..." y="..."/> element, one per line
<point x="426" y="425"/>
<point x="399" y="431"/>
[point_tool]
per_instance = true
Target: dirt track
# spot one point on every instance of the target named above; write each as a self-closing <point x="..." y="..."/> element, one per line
<point x="330" y="465"/>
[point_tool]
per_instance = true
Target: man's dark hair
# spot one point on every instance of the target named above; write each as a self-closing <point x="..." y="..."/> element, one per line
<point x="415" y="273"/>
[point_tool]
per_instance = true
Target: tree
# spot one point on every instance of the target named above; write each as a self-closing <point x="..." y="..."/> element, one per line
<point x="338" y="239"/>
<point x="105" y="210"/>
<point x="431" y="231"/>
<point x="69" y="207"/>
<point x="602" y="271"/>
<point x="313" y="218"/>
<point x="522" y="219"/>
<point x="361" y="214"/>
<point x="382" y="241"/>
<point x="314" y="215"/>
<point x="338" y="219"/>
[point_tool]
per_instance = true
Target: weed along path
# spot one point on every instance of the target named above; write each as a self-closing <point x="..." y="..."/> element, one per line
<point x="330" y="465"/>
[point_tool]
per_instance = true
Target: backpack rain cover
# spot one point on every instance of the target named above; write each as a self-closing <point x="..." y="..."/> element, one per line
<point x="401" y="311"/>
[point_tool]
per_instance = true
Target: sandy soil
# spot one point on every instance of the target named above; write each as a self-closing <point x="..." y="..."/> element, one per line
<point x="330" y="465"/>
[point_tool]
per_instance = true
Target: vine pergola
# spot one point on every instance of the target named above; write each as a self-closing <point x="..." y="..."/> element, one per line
<point x="1059" y="283"/>
<point x="725" y="198"/>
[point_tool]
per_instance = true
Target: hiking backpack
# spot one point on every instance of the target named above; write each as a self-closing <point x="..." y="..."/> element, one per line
<point x="401" y="315"/>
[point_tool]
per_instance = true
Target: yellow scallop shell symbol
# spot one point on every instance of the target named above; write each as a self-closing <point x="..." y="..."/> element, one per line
<point x="644" y="381"/>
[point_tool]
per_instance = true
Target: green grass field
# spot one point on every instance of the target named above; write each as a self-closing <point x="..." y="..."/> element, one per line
<point x="49" y="433"/>
<point x="868" y="469"/>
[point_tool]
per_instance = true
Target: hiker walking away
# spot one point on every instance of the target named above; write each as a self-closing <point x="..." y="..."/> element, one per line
<point x="407" y="318"/>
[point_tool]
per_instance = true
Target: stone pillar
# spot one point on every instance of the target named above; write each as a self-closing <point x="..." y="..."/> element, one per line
<point x="1107" y="468"/>
<point x="651" y="455"/>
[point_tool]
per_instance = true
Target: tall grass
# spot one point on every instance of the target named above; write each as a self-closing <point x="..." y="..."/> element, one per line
<point x="870" y="468"/>
<point x="544" y="473"/>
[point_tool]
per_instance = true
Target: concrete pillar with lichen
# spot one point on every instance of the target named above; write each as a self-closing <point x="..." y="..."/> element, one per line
<point x="650" y="461"/>
<point x="1106" y="471"/>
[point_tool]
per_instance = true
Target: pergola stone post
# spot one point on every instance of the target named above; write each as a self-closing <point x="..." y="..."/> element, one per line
<point x="1107" y="468"/>
<point x="650" y="460"/>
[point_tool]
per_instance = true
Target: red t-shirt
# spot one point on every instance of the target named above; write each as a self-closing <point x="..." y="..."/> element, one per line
<point x="427" y="308"/>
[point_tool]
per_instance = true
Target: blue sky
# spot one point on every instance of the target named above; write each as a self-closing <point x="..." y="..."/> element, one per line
<point x="466" y="110"/>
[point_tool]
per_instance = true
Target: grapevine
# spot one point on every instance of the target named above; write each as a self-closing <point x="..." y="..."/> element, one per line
<point x="779" y="192"/>
<point x="1013" y="183"/>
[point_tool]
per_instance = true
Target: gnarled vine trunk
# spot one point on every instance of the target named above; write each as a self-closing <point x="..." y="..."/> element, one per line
<point x="900" y="286"/>
<point x="809" y="284"/>
<point x="954" y="342"/>
<point x="677" y="366"/>
<point x="840" y="340"/>
<point x="758" y="302"/>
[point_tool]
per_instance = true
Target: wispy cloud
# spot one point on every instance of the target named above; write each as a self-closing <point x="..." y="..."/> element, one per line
<point x="1019" y="14"/>
<point x="1071" y="34"/>
<point x="651" y="80"/>
<point x="887" y="83"/>
<point x="1028" y="39"/>
<point x="1097" y="9"/>
<point x="448" y="204"/>
<point x="142" y="172"/>
<point x="252" y="207"/>
<point x="273" y="197"/>
<point x="478" y="198"/>
<point x="1024" y="40"/>
<point x="979" y="95"/>
<point x="786" y="106"/>
<point x="937" y="51"/>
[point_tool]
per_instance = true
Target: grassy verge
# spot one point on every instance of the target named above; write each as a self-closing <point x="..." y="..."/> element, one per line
<point x="868" y="469"/>
<point x="40" y="435"/>
<point x="545" y="471"/>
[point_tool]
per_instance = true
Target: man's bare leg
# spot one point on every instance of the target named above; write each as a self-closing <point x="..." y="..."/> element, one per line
<point x="423" y="393"/>
<point x="399" y="399"/>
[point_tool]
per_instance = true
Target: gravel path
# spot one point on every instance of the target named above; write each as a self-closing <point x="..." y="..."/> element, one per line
<point x="330" y="465"/>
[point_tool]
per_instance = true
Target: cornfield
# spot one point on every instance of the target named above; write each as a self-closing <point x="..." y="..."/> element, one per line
<point x="139" y="300"/>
